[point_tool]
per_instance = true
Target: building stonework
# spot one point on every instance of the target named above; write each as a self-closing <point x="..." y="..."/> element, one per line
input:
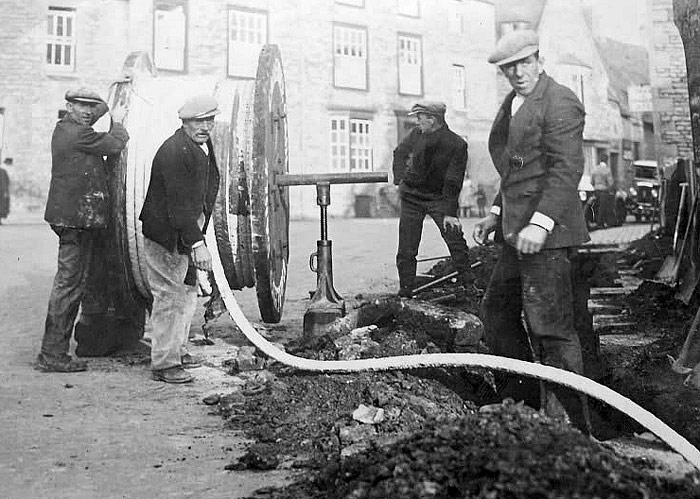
<point x="108" y="30"/>
<point x="31" y="96"/>
<point x="669" y="80"/>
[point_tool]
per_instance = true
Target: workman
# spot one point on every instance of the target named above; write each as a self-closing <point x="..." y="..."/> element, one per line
<point x="604" y="187"/>
<point x="77" y="210"/>
<point x="536" y="144"/>
<point x="176" y="212"/>
<point x="429" y="167"/>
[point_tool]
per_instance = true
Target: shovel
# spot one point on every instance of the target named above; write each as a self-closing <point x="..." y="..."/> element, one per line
<point x="689" y="355"/>
<point x="668" y="272"/>
<point x="691" y="277"/>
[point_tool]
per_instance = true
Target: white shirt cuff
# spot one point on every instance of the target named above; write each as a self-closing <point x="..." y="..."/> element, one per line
<point x="542" y="220"/>
<point x="496" y="210"/>
<point x="197" y="244"/>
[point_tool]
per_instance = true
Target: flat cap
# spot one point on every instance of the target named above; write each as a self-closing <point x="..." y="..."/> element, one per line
<point x="514" y="46"/>
<point x="428" y="107"/>
<point x="199" y="107"/>
<point x="83" y="94"/>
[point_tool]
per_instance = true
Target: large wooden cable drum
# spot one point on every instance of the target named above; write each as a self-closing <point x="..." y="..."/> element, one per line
<point x="270" y="201"/>
<point x="251" y="216"/>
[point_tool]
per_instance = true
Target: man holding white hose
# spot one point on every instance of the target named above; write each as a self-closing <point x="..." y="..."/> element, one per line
<point x="176" y="212"/>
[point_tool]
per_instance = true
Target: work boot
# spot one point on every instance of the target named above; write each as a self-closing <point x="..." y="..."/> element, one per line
<point x="175" y="374"/>
<point x="63" y="364"/>
<point x="190" y="361"/>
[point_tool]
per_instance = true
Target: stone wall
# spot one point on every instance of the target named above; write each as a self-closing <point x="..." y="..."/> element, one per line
<point x="670" y="85"/>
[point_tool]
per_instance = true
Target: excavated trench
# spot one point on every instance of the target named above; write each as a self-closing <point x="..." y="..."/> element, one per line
<point x="445" y="432"/>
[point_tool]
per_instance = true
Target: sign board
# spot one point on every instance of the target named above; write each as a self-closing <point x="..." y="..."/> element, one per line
<point x="639" y="98"/>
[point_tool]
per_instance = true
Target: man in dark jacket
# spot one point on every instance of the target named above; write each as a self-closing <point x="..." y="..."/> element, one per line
<point x="429" y="166"/>
<point x="4" y="190"/>
<point x="175" y="215"/>
<point x="77" y="210"/>
<point x="536" y="144"/>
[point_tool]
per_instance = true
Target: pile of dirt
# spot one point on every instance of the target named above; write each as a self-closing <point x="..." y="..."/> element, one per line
<point x="504" y="451"/>
<point x="307" y="420"/>
<point x="432" y="441"/>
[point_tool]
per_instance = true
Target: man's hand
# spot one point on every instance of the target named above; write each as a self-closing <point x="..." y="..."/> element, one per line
<point x="452" y="225"/>
<point x="118" y="113"/>
<point x="531" y="239"/>
<point x="201" y="258"/>
<point x="484" y="227"/>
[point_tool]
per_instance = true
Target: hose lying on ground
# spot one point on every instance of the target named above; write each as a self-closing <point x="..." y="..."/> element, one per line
<point x="539" y="371"/>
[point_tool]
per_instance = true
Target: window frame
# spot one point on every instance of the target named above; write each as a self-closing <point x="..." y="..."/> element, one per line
<point x="185" y="45"/>
<point x="244" y="10"/>
<point x="358" y="4"/>
<point x="419" y="38"/>
<point x="365" y="31"/>
<point x="463" y="98"/>
<point x="351" y="119"/>
<point x="64" y="41"/>
<point x="417" y="15"/>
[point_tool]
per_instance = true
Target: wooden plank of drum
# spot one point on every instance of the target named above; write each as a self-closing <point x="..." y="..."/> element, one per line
<point x="224" y="220"/>
<point x="240" y="170"/>
<point x="270" y="202"/>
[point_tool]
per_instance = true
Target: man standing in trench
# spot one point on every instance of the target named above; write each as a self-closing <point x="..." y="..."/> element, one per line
<point x="176" y="212"/>
<point x="429" y="166"/>
<point x="536" y="144"/>
<point x="77" y="210"/>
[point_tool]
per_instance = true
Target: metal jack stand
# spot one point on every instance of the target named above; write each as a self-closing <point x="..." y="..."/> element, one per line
<point x="326" y="304"/>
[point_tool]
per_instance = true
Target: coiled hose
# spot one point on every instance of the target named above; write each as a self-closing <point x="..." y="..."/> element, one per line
<point x="539" y="371"/>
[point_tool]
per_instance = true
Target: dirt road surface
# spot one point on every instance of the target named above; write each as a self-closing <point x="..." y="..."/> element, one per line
<point x="112" y="432"/>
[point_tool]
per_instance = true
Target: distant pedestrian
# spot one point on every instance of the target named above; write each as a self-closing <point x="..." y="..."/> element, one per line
<point x="176" y="212"/>
<point x="429" y="167"/>
<point x="77" y="210"/>
<point x="604" y="186"/>
<point x="5" y="190"/>
<point x="466" y="198"/>
<point x="481" y="200"/>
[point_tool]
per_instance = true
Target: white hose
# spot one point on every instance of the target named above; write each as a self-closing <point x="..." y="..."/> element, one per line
<point x="539" y="371"/>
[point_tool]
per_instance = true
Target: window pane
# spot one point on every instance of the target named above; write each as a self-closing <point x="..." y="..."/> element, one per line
<point x="59" y="25"/>
<point x="69" y="26"/>
<point x="49" y="25"/>
<point x="57" y="54"/>
<point x="67" y="55"/>
<point x="248" y="33"/>
<point x="48" y="53"/>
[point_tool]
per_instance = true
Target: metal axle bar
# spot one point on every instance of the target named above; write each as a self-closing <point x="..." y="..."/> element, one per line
<point x="331" y="178"/>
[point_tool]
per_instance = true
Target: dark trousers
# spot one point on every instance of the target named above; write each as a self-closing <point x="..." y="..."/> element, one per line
<point x="80" y="280"/>
<point x="528" y="314"/>
<point x="604" y="215"/>
<point x="413" y="212"/>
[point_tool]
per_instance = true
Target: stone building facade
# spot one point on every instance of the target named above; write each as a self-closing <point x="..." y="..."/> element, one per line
<point x="353" y="69"/>
<point x="669" y="80"/>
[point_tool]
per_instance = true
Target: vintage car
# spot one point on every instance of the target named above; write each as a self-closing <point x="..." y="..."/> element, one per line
<point x="643" y="197"/>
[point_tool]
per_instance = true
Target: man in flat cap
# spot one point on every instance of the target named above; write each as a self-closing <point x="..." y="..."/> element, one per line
<point x="77" y="210"/>
<point x="536" y="144"/>
<point x="176" y="212"/>
<point x="429" y="167"/>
